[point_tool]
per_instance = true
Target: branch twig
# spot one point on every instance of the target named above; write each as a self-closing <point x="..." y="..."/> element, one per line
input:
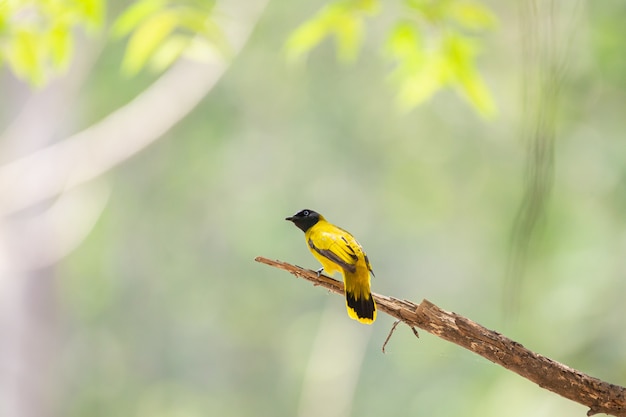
<point x="393" y="329"/>
<point x="599" y="396"/>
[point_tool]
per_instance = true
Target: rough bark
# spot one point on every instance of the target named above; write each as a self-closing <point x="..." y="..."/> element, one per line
<point x="598" y="395"/>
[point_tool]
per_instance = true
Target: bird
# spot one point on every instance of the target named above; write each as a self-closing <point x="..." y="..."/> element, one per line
<point x="338" y="251"/>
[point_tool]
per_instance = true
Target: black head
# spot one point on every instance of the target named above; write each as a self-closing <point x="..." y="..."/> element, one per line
<point x="305" y="219"/>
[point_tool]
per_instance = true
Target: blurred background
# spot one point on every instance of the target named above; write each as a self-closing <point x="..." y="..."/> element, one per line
<point x="133" y="209"/>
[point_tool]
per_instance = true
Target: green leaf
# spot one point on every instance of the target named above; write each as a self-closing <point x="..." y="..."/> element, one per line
<point x="192" y="19"/>
<point x="348" y="30"/>
<point x="61" y="46"/>
<point x="162" y="30"/>
<point x="370" y="7"/>
<point x="416" y="73"/>
<point x="404" y="41"/>
<point x="419" y="85"/>
<point x="473" y="15"/>
<point x="4" y="17"/>
<point x="204" y="25"/>
<point x="432" y="11"/>
<point x="168" y="52"/>
<point x="460" y="54"/>
<point x="343" y="20"/>
<point x="307" y="36"/>
<point x="134" y="15"/>
<point x="92" y="12"/>
<point x="216" y="36"/>
<point x="24" y="56"/>
<point x="146" y="38"/>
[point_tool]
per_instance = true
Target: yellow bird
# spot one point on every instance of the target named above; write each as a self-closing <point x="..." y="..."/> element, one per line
<point x="338" y="251"/>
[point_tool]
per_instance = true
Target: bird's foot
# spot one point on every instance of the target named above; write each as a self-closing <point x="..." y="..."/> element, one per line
<point x="319" y="272"/>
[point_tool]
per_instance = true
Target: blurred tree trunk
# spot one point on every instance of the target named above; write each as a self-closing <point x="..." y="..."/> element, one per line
<point x="29" y="326"/>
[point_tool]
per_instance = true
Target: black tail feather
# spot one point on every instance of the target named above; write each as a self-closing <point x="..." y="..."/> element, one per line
<point x="363" y="307"/>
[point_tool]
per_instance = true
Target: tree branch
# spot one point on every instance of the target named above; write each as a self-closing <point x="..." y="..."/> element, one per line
<point x="599" y="396"/>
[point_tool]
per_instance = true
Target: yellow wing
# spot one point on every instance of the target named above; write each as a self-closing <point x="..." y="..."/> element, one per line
<point x="337" y="246"/>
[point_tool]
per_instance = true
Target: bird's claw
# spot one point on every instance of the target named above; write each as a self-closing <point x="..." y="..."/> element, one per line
<point x="319" y="272"/>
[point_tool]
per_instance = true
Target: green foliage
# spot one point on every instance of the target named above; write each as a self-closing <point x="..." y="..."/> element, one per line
<point x="161" y="31"/>
<point x="343" y="20"/>
<point x="36" y="36"/>
<point x="431" y="46"/>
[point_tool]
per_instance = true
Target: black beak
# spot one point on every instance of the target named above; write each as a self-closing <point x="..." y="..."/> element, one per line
<point x="290" y="218"/>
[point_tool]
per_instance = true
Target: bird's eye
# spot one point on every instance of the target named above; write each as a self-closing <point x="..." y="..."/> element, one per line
<point x="306" y="213"/>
